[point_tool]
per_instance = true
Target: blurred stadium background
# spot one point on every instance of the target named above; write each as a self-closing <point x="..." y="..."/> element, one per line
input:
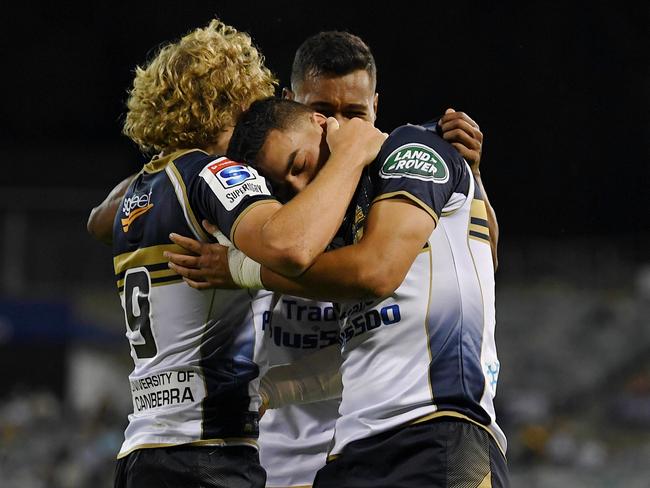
<point x="562" y="95"/>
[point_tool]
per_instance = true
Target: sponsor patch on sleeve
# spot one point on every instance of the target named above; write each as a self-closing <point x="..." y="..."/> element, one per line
<point x="231" y="181"/>
<point x="415" y="161"/>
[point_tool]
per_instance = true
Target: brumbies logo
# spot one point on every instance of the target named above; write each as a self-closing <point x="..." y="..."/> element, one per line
<point x="230" y="173"/>
<point x="415" y="161"/>
<point x="134" y="207"/>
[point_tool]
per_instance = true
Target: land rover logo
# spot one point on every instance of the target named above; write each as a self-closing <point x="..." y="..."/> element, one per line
<point x="415" y="161"/>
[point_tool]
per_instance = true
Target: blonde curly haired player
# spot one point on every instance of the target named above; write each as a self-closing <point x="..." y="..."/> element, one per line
<point x="188" y="95"/>
<point x="197" y="358"/>
<point x="194" y="89"/>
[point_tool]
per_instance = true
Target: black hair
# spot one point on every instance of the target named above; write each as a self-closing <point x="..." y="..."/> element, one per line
<point x="333" y="53"/>
<point x="254" y="125"/>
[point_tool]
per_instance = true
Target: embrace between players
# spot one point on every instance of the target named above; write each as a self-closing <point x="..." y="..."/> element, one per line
<point x="378" y="254"/>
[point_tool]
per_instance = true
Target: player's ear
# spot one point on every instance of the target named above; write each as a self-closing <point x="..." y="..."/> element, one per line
<point x="288" y="94"/>
<point x="320" y="119"/>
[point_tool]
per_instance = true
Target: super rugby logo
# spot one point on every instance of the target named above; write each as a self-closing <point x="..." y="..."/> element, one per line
<point x="232" y="182"/>
<point x="415" y="161"/>
<point x="230" y="173"/>
<point x="134" y="207"/>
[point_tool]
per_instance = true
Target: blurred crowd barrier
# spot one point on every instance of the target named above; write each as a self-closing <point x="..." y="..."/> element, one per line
<point x="573" y="335"/>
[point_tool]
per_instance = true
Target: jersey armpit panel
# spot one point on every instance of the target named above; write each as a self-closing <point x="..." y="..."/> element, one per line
<point x="222" y="191"/>
<point x="417" y="164"/>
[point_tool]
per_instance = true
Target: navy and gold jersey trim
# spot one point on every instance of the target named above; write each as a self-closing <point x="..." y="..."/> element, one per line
<point x="151" y="258"/>
<point x="409" y="196"/>
<point x="478" y="224"/>
<point x="160" y="163"/>
<point x="181" y="194"/>
<point x="246" y="210"/>
<point x="144" y="256"/>
<point x="230" y="441"/>
<point x="159" y="273"/>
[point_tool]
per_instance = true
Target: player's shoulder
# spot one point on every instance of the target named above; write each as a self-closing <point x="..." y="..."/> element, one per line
<point x="418" y="151"/>
<point x="189" y="164"/>
<point x="210" y="167"/>
<point x="425" y="135"/>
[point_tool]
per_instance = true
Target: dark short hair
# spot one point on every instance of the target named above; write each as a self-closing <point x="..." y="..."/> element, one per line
<point x="332" y="53"/>
<point x="254" y="125"/>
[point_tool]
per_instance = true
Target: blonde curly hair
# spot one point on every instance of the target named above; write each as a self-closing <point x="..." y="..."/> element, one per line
<point x="195" y="88"/>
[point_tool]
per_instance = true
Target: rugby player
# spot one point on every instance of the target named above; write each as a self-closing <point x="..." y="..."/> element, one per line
<point x="419" y="359"/>
<point x="294" y="439"/>
<point x="196" y="355"/>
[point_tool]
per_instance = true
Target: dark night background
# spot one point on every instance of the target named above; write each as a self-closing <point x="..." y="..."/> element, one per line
<point x="561" y="91"/>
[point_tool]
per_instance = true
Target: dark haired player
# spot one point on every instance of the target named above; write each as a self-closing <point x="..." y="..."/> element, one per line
<point x="418" y="350"/>
<point x="294" y="439"/>
<point x="344" y="88"/>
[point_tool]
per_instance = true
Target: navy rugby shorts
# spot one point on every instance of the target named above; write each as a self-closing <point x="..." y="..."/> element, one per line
<point x="191" y="466"/>
<point x="441" y="453"/>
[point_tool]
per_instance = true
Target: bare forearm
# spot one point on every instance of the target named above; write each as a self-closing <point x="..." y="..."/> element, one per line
<point x="100" y="221"/>
<point x="374" y="267"/>
<point x="309" y="222"/>
<point x="336" y="275"/>
<point x="312" y="378"/>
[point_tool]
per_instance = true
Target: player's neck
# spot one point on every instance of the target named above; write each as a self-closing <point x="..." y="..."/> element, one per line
<point x="221" y="144"/>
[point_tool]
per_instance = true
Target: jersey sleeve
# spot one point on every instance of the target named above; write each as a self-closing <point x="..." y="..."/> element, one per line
<point x="223" y="191"/>
<point x="417" y="164"/>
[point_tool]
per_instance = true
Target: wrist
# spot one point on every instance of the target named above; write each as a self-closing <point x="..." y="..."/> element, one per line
<point x="244" y="272"/>
<point x="348" y="160"/>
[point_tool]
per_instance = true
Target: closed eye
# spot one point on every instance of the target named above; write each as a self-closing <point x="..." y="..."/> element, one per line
<point x="297" y="166"/>
<point x="351" y="115"/>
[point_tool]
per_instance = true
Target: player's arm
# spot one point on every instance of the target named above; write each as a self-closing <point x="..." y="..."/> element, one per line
<point x="396" y="231"/>
<point x="101" y="218"/>
<point x="464" y="134"/>
<point x="312" y="378"/>
<point x="288" y="238"/>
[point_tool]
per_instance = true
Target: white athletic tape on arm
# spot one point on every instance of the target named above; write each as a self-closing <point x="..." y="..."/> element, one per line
<point x="221" y="238"/>
<point x="245" y="272"/>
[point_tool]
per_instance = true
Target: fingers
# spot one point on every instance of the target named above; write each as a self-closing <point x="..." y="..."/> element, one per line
<point x="210" y="227"/>
<point x="458" y="135"/>
<point x="332" y="124"/>
<point x="186" y="243"/>
<point x="472" y="157"/>
<point x="191" y="273"/>
<point x="182" y="259"/>
<point x="216" y="233"/>
<point x="451" y="114"/>
<point x="197" y="285"/>
<point x="463" y="125"/>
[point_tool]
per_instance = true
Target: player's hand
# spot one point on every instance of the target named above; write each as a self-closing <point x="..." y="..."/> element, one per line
<point x="464" y="134"/>
<point x="206" y="267"/>
<point x="356" y="139"/>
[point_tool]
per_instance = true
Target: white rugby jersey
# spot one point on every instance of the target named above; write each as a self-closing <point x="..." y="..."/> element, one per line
<point x="428" y="349"/>
<point x="294" y="439"/>
<point x="197" y="357"/>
